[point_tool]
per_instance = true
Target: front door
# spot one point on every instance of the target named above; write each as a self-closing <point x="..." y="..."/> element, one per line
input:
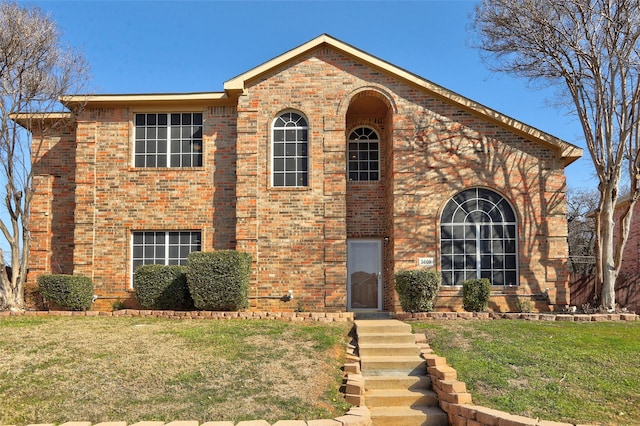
<point x="364" y="271"/>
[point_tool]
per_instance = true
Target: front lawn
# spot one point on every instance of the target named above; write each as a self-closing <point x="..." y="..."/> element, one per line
<point x="570" y="372"/>
<point x="95" y="369"/>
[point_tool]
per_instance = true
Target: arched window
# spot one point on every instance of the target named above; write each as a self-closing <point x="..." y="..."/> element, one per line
<point x="478" y="239"/>
<point x="290" y="151"/>
<point x="364" y="155"/>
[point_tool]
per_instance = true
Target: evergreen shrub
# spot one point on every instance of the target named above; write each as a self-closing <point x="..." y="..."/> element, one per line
<point x="72" y="292"/>
<point x="417" y="289"/>
<point x="162" y="287"/>
<point x="475" y="294"/>
<point x="219" y="280"/>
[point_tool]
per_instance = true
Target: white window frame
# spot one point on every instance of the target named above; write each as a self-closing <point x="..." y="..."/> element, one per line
<point x="194" y="139"/>
<point x="356" y="136"/>
<point x="167" y="259"/>
<point x="485" y="221"/>
<point x="296" y="163"/>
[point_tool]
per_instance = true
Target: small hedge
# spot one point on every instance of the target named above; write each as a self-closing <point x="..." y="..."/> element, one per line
<point x="73" y="292"/>
<point x="219" y="280"/>
<point x="417" y="289"/>
<point x="475" y="294"/>
<point x="162" y="287"/>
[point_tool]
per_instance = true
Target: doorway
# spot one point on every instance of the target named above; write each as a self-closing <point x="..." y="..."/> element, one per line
<point x="364" y="275"/>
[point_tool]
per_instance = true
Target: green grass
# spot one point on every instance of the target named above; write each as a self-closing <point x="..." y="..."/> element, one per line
<point x="569" y="372"/>
<point x="54" y="370"/>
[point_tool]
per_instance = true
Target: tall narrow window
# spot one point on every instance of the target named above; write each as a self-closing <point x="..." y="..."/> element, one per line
<point x="168" y="140"/>
<point x="364" y="155"/>
<point x="478" y="239"/>
<point x="290" y="151"/>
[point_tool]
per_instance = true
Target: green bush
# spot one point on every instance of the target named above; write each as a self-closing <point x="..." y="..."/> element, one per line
<point x="219" y="280"/>
<point x="475" y="294"/>
<point x="162" y="287"/>
<point x="73" y="292"/>
<point x="417" y="289"/>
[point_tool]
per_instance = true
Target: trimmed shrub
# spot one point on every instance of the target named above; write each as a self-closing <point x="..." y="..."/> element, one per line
<point x="73" y="292"/>
<point x="475" y="294"/>
<point x="162" y="287"/>
<point x="417" y="289"/>
<point x="219" y="280"/>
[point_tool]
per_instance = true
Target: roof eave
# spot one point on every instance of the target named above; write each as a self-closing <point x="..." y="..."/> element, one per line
<point x="204" y="98"/>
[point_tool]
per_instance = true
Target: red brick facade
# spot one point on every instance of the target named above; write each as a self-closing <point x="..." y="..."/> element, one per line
<point x="434" y="144"/>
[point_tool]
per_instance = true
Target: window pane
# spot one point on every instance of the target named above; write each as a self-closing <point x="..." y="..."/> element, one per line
<point x="290" y="179"/>
<point x="290" y="164"/>
<point x="290" y="149"/>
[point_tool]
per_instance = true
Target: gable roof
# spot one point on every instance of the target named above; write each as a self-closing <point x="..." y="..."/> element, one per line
<point x="568" y="151"/>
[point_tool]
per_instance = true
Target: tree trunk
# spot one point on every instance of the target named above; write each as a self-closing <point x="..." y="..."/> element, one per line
<point x="11" y="286"/>
<point x="608" y="267"/>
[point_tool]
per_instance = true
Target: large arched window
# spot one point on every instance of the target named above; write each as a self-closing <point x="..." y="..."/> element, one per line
<point x="290" y="151"/>
<point x="364" y="155"/>
<point x="478" y="239"/>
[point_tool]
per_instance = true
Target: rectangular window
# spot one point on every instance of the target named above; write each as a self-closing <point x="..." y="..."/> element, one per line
<point x="163" y="247"/>
<point x="168" y="140"/>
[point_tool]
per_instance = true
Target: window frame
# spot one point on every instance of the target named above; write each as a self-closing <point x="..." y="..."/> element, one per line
<point x="172" y="143"/>
<point x="358" y="173"/>
<point x="296" y="165"/>
<point x="479" y="239"/>
<point x="167" y="247"/>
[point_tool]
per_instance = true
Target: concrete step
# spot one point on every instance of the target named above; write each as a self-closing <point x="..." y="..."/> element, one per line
<point x="369" y="315"/>
<point x="385" y="365"/>
<point x="381" y="326"/>
<point x="408" y="416"/>
<point x="397" y="338"/>
<point x="388" y="349"/>
<point x="401" y="397"/>
<point x="397" y="382"/>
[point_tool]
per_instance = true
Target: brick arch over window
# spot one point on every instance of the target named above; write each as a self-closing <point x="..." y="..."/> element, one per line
<point x="369" y="91"/>
<point x="478" y="238"/>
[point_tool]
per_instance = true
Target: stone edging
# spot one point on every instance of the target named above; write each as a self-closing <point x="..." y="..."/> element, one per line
<point x="542" y="316"/>
<point x="285" y="316"/>
<point x="356" y="416"/>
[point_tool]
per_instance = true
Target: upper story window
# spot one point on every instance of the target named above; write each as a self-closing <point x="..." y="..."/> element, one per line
<point x="290" y="151"/>
<point x="478" y="239"/>
<point x="364" y="155"/>
<point x="168" y="140"/>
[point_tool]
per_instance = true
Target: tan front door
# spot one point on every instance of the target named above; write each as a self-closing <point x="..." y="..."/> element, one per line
<point x="364" y="271"/>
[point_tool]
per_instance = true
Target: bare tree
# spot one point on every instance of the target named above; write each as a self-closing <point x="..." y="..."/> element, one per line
<point x="35" y="72"/>
<point x="590" y="50"/>
<point x="581" y="236"/>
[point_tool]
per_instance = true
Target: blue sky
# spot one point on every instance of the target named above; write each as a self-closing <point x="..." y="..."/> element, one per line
<point x="195" y="46"/>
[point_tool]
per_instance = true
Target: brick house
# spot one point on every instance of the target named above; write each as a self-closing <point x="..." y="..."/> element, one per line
<point x="331" y="167"/>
